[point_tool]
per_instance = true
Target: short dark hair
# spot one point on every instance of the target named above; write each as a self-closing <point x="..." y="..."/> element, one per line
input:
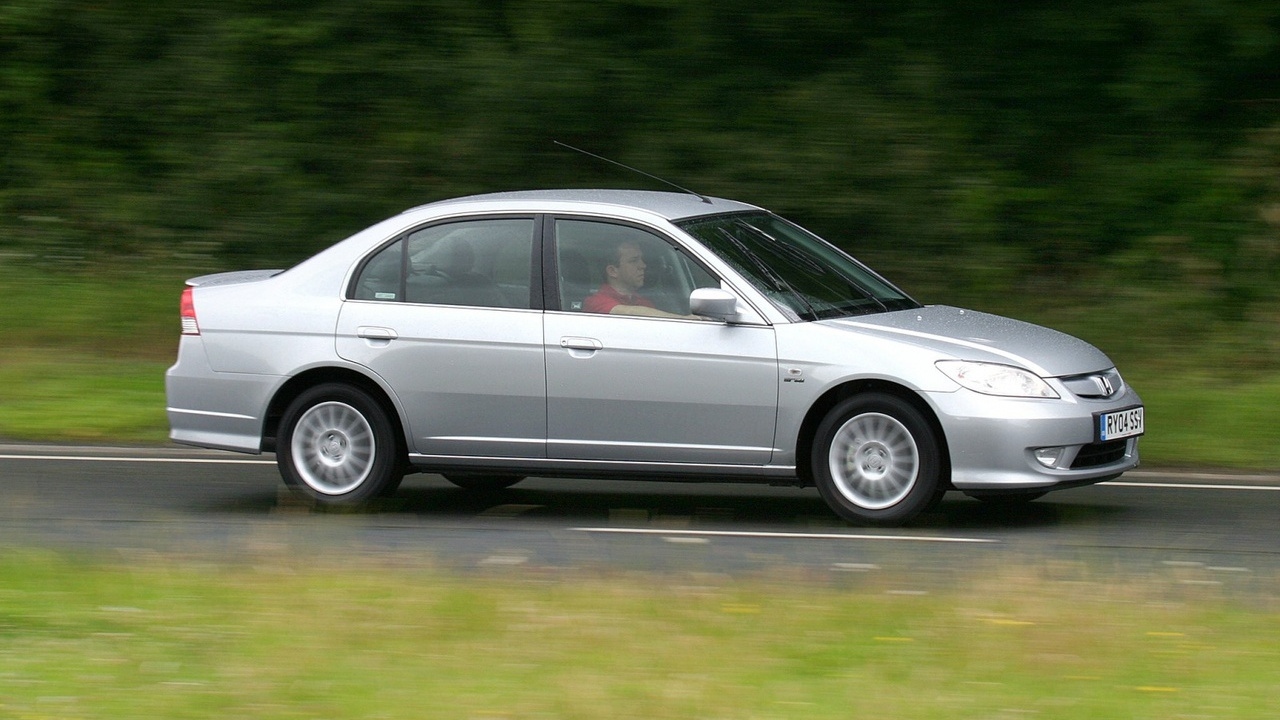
<point x="617" y="251"/>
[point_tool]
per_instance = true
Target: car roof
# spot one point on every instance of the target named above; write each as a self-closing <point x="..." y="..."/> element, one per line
<point x="669" y="205"/>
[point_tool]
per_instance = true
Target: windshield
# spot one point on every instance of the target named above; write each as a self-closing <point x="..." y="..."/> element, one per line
<point x="804" y="275"/>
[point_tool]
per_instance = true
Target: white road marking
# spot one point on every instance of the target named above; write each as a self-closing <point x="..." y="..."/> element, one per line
<point x="1223" y="477"/>
<point x="782" y="535"/>
<point x="109" y="458"/>
<point x="504" y="560"/>
<point x="684" y="539"/>
<point x="1188" y="486"/>
<point x="855" y="567"/>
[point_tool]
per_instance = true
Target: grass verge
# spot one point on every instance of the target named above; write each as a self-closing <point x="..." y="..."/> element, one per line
<point x="72" y="395"/>
<point x="282" y="638"/>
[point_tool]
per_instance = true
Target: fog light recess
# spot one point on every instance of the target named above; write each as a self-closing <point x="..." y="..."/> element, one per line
<point x="1050" y="456"/>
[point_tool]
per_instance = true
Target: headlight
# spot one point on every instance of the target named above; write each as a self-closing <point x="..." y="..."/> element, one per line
<point x="995" y="379"/>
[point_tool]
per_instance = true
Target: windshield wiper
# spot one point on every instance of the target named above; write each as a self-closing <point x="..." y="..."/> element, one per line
<point x="779" y="283"/>
<point x="786" y="248"/>
<point x="807" y="261"/>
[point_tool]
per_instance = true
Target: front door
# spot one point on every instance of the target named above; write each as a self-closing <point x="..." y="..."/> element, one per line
<point x="631" y="377"/>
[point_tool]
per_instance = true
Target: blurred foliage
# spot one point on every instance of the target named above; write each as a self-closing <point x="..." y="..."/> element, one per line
<point x="972" y="144"/>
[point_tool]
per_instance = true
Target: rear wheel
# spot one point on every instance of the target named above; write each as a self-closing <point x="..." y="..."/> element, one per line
<point x="337" y="446"/>
<point x="876" y="460"/>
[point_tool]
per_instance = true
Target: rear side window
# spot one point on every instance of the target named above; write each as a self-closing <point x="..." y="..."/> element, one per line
<point x="480" y="263"/>
<point x="381" y="277"/>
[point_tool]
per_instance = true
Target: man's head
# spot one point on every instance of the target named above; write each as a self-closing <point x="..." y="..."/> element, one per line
<point x="626" y="272"/>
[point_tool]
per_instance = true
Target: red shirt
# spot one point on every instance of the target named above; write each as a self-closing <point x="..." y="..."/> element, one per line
<point x="607" y="298"/>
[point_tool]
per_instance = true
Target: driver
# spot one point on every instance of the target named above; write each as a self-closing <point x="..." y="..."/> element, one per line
<point x="620" y="292"/>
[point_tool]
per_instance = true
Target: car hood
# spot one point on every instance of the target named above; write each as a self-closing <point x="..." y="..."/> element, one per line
<point x="971" y="335"/>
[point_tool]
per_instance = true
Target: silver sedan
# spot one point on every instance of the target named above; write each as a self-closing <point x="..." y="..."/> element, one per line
<point x="609" y="333"/>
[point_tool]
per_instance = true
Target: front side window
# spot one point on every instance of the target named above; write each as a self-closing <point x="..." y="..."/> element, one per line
<point x="482" y="263"/>
<point x="802" y="274"/>
<point x="620" y="269"/>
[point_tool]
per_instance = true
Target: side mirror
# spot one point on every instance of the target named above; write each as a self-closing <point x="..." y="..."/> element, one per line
<point x="713" y="303"/>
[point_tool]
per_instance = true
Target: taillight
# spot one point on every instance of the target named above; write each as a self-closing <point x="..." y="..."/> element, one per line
<point x="189" y="325"/>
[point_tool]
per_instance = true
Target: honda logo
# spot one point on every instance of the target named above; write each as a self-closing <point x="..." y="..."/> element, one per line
<point x="1104" y="385"/>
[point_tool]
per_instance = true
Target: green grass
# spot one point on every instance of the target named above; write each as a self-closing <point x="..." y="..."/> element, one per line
<point x="84" y="354"/>
<point x="78" y="396"/>
<point x="84" y="359"/>
<point x="1203" y="420"/>
<point x="279" y="637"/>
<point x="121" y="312"/>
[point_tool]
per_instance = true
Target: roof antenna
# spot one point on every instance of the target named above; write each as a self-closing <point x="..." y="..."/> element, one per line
<point x="698" y="195"/>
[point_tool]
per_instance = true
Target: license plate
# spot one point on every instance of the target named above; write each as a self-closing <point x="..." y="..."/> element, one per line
<point x="1119" y="424"/>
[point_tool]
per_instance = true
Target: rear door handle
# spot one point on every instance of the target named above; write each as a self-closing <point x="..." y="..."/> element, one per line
<point x="580" y="343"/>
<point x="370" y="332"/>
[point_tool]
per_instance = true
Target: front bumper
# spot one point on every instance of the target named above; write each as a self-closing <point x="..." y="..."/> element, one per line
<point x="1018" y="444"/>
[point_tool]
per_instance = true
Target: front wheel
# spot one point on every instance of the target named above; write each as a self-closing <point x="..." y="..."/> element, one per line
<point x="337" y="446"/>
<point x="876" y="460"/>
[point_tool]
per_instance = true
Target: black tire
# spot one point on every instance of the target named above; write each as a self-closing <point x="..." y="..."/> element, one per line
<point x="336" y="446"/>
<point x="877" y="460"/>
<point x="483" y="482"/>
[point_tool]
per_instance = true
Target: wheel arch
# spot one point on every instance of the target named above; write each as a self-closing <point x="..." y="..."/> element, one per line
<point x="848" y="389"/>
<point x="301" y="382"/>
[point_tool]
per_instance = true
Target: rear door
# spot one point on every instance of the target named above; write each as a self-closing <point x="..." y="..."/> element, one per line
<point x="445" y="315"/>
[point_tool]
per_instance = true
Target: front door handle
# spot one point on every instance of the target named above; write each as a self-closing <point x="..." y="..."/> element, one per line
<point x="580" y="343"/>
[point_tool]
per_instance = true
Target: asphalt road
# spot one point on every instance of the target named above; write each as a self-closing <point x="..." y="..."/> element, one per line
<point x="1197" y="530"/>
